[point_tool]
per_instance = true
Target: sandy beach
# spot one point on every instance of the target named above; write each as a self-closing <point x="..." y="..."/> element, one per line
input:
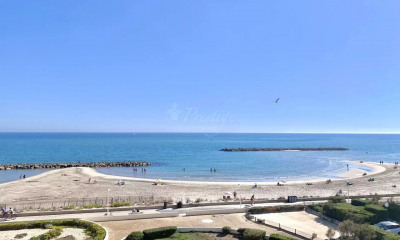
<point x="62" y="184"/>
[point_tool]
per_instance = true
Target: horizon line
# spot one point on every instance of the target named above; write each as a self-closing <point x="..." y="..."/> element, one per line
<point x="204" y="132"/>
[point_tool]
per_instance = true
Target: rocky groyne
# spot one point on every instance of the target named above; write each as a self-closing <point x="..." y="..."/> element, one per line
<point x="281" y="149"/>
<point x="78" y="164"/>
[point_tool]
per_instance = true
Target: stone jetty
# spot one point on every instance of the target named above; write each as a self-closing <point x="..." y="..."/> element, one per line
<point x="76" y="164"/>
<point x="281" y="149"/>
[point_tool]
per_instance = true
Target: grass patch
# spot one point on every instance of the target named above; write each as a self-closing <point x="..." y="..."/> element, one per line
<point x="69" y="207"/>
<point x="121" y="204"/>
<point x="92" y="206"/>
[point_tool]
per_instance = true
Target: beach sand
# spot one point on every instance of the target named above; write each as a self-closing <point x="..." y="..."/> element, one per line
<point x="60" y="185"/>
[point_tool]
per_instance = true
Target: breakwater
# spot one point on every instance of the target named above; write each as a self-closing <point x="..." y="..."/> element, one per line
<point x="281" y="149"/>
<point x="76" y="164"/>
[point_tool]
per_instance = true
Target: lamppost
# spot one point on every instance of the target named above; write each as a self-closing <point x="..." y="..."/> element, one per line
<point x="108" y="202"/>
<point x="348" y="193"/>
<point x="240" y="197"/>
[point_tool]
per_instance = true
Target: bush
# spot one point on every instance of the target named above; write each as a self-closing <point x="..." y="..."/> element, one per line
<point x="350" y="230"/>
<point x="161" y="232"/>
<point x="135" y="236"/>
<point x="272" y="209"/>
<point x="337" y="199"/>
<point x="92" y="206"/>
<point x="48" y="235"/>
<point x="121" y="204"/>
<point x="226" y="230"/>
<point x="69" y="207"/>
<point x="94" y="230"/>
<point x="253" y="234"/>
<point x="394" y="211"/>
<point x="380" y="213"/>
<point x="316" y="207"/>
<point x="344" y="211"/>
<point x="240" y="231"/>
<point x="359" y="202"/>
<point x="279" y="237"/>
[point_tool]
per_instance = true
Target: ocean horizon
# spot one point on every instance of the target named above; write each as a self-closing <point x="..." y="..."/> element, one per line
<point x="197" y="153"/>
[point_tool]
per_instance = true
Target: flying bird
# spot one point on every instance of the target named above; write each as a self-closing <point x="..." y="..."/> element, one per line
<point x="276" y="101"/>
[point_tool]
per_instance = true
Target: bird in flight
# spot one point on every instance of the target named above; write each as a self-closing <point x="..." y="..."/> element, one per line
<point x="276" y="101"/>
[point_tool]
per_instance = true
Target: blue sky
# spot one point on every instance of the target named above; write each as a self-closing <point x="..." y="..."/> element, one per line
<point x="200" y="66"/>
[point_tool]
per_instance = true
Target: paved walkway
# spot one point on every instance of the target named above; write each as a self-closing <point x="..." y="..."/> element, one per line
<point x="149" y="211"/>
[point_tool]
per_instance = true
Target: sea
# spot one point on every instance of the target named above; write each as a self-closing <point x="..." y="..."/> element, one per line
<point x="190" y="156"/>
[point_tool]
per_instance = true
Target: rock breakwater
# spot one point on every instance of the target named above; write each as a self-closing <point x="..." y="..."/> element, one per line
<point x="281" y="149"/>
<point x="78" y="164"/>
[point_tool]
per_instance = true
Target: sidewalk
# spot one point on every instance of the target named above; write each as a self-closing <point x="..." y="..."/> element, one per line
<point x="156" y="213"/>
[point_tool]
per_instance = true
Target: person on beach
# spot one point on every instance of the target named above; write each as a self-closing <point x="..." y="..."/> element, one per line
<point x="24" y="176"/>
<point x="252" y="200"/>
<point x="347" y="167"/>
<point x="234" y="195"/>
<point x="3" y="211"/>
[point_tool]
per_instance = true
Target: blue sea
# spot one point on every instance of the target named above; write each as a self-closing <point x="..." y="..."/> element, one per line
<point x="198" y="152"/>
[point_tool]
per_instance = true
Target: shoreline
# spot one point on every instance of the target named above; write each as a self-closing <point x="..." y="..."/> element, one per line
<point x="78" y="185"/>
<point x="375" y="168"/>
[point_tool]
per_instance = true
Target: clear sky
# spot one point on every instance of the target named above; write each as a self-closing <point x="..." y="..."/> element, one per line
<point x="200" y="66"/>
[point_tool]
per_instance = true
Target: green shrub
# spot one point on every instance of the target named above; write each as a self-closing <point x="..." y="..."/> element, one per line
<point x="350" y="230"/>
<point x="240" y="231"/>
<point x="226" y="230"/>
<point x="93" y="229"/>
<point x="121" y="204"/>
<point x="380" y="213"/>
<point x="316" y="207"/>
<point x="48" y="235"/>
<point x="161" y="232"/>
<point x="279" y="237"/>
<point x="69" y="207"/>
<point x="92" y="206"/>
<point x="359" y="202"/>
<point x="345" y="211"/>
<point x="337" y="199"/>
<point x="394" y="211"/>
<point x="272" y="209"/>
<point x="135" y="236"/>
<point x="253" y="234"/>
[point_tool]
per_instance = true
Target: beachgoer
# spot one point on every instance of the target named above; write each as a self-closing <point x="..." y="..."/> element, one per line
<point x="255" y="185"/>
<point x="3" y="211"/>
<point x="234" y="194"/>
<point x="210" y="169"/>
<point x="90" y="180"/>
<point x="24" y="176"/>
<point x="347" y="167"/>
<point x="215" y="170"/>
<point x="184" y="169"/>
<point x="252" y="200"/>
